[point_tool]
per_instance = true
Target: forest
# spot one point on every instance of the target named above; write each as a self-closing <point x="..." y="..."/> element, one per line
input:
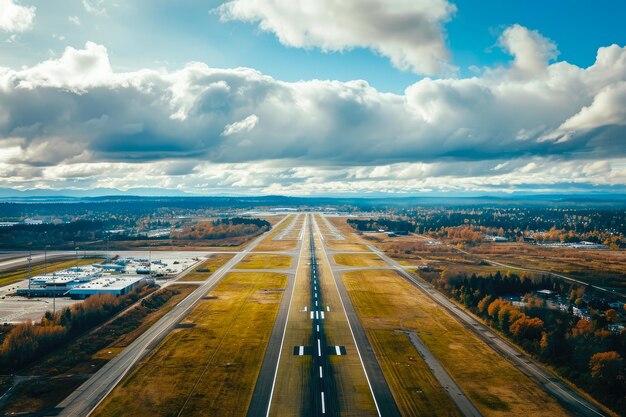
<point x="585" y="351"/>
<point x="36" y="237"/>
<point x="223" y="228"/>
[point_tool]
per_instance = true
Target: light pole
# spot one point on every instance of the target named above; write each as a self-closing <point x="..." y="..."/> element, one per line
<point x="45" y="253"/>
<point x="30" y="257"/>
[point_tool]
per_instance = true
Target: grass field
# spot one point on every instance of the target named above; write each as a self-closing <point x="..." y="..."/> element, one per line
<point x="385" y="302"/>
<point x="346" y="247"/>
<point x="212" y="264"/>
<point x="270" y="245"/>
<point x="210" y="367"/>
<point x="600" y="267"/>
<point x="351" y="259"/>
<point x="264" y="261"/>
<point x="71" y="364"/>
<point x="19" y="274"/>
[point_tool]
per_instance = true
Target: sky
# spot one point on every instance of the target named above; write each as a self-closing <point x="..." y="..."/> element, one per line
<point x="333" y="97"/>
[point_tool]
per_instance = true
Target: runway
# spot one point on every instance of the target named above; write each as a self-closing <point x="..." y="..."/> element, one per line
<point x="385" y="403"/>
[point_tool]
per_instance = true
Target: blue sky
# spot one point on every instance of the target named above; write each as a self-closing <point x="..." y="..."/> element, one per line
<point x="460" y="96"/>
<point x="172" y="33"/>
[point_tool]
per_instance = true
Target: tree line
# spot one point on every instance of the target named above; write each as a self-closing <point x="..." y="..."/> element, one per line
<point x="28" y="341"/>
<point x="583" y="350"/>
<point x="222" y="229"/>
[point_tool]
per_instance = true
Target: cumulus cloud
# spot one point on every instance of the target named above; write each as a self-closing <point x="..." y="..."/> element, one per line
<point x="75" y="20"/>
<point x="502" y="130"/>
<point x="531" y="50"/>
<point x="408" y="32"/>
<point x="244" y="125"/>
<point x="16" y="18"/>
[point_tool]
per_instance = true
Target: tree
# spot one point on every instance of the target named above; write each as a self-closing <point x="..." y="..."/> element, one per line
<point x="611" y="316"/>
<point x="607" y="367"/>
<point x="527" y="327"/>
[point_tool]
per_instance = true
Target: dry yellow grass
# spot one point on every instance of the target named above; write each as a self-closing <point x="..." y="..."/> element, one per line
<point x="351" y="259"/>
<point x="264" y="261"/>
<point x="385" y="302"/>
<point x="346" y="247"/>
<point x="269" y="244"/>
<point x="210" y="368"/>
<point x="211" y="264"/>
<point x="416" y="391"/>
<point x="22" y="273"/>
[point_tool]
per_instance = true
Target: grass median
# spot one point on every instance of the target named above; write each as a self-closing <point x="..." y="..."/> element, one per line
<point x="365" y="260"/>
<point x="385" y="302"/>
<point x="208" y="366"/>
<point x="208" y="267"/>
<point x="265" y="261"/>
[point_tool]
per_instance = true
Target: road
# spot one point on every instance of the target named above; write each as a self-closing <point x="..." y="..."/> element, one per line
<point x="323" y="391"/>
<point x="385" y="403"/>
<point x="89" y="395"/>
<point x="452" y="388"/>
<point x="324" y="380"/>
<point x="18" y="260"/>
<point x="568" y="397"/>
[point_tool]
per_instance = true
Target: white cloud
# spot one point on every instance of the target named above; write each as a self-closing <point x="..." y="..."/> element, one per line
<point x="95" y="7"/>
<point x="244" y="125"/>
<point x="409" y="32"/>
<point x="532" y="51"/>
<point x="76" y="70"/>
<point x="75" y="20"/>
<point x="75" y="114"/>
<point x="16" y="18"/>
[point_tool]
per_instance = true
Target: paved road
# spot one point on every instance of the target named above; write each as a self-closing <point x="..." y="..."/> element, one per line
<point x="21" y="259"/>
<point x="452" y="388"/>
<point x="385" y="403"/>
<point x="89" y="395"/>
<point x="569" y="398"/>
<point x="262" y="395"/>
<point x="323" y="388"/>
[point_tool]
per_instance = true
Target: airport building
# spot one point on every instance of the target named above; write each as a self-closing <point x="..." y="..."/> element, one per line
<point x="114" y="285"/>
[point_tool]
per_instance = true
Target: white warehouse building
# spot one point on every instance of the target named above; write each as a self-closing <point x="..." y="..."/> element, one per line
<point x="114" y="285"/>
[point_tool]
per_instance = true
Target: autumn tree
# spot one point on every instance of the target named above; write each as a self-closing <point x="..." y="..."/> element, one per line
<point x="607" y="368"/>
